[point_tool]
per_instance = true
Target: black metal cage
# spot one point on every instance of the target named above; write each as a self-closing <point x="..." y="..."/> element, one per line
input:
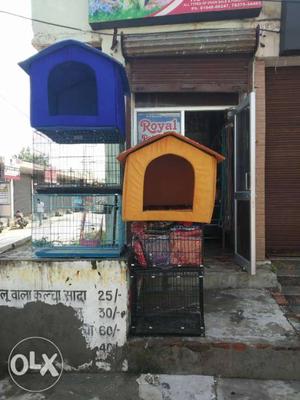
<point x="167" y="302"/>
<point x="166" y="279"/>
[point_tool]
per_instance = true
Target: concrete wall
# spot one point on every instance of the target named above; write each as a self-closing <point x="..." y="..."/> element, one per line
<point x="80" y="305"/>
<point x="68" y="13"/>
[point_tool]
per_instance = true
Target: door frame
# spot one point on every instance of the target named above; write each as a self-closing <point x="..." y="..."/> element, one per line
<point x="251" y="99"/>
<point x="182" y="111"/>
<point x="249" y="265"/>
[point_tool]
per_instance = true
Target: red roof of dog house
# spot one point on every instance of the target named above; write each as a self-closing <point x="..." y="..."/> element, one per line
<point x="122" y="156"/>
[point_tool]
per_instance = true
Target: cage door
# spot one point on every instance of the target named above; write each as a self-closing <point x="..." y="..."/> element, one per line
<point x="244" y="184"/>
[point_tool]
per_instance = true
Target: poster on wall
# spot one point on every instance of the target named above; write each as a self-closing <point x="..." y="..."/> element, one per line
<point x="51" y="175"/>
<point x="4" y="193"/>
<point x="121" y="13"/>
<point x="150" y="124"/>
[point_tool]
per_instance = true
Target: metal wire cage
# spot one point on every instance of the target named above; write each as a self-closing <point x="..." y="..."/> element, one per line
<point x="166" y="278"/>
<point x="164" y="245"/>
<point x="77" y="226"/>
<point x="75" y="167"/>
<point x="167" y="302"/>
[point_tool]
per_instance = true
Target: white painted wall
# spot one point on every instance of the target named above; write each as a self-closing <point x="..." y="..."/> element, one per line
<point x="63" y="12"/>
<point x="98" y="296"/>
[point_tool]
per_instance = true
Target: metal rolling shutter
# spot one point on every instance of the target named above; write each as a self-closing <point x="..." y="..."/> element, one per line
<point x="190" y="43"/>
<point x="22" y="194"/>
<point x="219" y="74"/>
<point x="283" y="160"/>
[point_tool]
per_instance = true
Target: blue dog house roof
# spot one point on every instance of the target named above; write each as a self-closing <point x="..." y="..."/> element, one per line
<point x="77" y="93"/>
<point x="26" y="64"/>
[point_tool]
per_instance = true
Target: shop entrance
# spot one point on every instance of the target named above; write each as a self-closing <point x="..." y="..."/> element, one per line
<point x="213" y="129"/>
<point x="229" y="130"/>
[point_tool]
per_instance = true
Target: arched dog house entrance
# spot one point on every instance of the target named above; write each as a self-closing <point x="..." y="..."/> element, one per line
<point x="169" y="184"/>
<point x="72" y="89"/>
<point x="169" y="178"/>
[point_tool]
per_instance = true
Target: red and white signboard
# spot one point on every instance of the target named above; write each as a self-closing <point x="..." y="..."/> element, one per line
<point x="51" y="175"/>
<point x="12" y="170"/>
<point x="154" y="123"/>
<point x="201" y="6"/>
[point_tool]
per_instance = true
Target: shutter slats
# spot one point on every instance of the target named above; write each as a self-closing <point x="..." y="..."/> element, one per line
<point x="203" y="74"/>
<point x="283" y="160"/>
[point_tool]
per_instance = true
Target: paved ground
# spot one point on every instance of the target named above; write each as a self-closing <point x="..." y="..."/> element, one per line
<point x="14" y="237"/>
<point x="248" y="315"/>
<point x="155" y="387"/>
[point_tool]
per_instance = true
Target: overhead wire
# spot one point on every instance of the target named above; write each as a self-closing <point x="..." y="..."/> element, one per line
<point x="97" y="32"/>
<point x="12" y="105"/>
<point x="55" y="24"/>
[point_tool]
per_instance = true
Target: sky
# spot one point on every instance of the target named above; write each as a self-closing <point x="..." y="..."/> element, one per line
<point x="15" y="44"/>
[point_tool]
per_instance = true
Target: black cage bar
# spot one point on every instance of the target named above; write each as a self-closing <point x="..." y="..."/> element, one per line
<point x="167" y="301"/>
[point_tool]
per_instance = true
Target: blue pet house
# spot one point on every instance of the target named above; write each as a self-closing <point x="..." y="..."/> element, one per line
<point x="77" y="94"/>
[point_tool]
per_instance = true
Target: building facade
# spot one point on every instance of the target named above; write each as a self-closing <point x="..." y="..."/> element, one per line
<point x="16" y="186"/>
<point x="230" y="80"/>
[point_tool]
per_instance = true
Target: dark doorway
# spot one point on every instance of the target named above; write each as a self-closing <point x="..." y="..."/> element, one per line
<point x="161" y="188"/>
<point x="214" y="130"/>
<point x="72" y="89"/>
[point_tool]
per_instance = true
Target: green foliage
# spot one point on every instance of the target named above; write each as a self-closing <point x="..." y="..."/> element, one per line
<point x="27" y="155"/>
<point x="121" y="14"/>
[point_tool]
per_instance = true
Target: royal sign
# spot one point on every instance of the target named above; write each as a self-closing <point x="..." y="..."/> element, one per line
<point x="155" y="123"/>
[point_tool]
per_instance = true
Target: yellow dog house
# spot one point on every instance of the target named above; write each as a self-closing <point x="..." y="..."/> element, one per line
<point x="169" y="178"/>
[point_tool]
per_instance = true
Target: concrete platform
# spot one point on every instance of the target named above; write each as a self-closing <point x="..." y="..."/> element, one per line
<point x="247" y="336"/>
<point x="224" y="273"/>
<point x="220" y="272"/>
<point x="247" y="333"/>
<point x="246" y="315"/>
<point x="155" y="387"/>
